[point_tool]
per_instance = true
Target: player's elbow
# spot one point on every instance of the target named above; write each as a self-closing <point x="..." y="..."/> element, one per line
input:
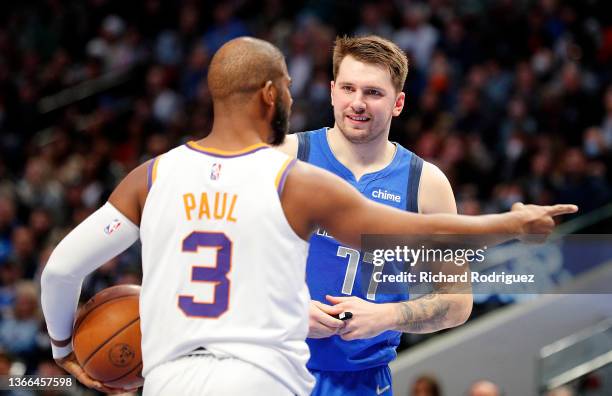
<point x="463" y="309"/>
<point x="55" y="271"/>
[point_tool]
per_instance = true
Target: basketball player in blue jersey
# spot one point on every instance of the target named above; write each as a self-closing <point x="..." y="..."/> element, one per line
<point x="351" y="358"/>
<point x="239" y="326"/>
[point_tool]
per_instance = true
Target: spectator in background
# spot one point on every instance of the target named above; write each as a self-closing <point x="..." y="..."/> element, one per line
<point x="581" y="182"/>
<point x="416" y="36"/>
<point x="8" y="221"/>
<point x="40" y="224"/>
<point x="24" y="251"/>
<point x="561" y="391"/>
<point x="10" y="275"/>
<point x="537" y="184"/>
<point x="425" y="385"/>
<point x="373" y="21"/>
<point x="484" y="388"/>
<point x="38" y="189"/>
<point x="299" y="63"/>
<point x="5" y="363"/>
<point x="606" y="123"/>
<point x="195" y="71"/>
<point x="225" y="27"/>
<point x="19" y="331"/>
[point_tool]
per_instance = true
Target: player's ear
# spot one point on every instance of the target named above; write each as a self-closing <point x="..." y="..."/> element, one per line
<point x="331" y="91"/>
<point x="398" y="106"/>
<point x="269" y="93"/>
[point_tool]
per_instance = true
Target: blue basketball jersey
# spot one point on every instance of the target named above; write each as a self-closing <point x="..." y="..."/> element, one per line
<point x="333" y="269"/>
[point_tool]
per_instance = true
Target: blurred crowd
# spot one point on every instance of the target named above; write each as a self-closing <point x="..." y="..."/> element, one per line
<point x="588" y="385"/>
<point x="511" y="99"/>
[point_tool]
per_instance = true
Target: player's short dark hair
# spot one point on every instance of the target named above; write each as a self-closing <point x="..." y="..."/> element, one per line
<point x="375" y="50"/>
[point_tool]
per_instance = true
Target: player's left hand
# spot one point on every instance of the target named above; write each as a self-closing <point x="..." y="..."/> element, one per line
<point x="369" y="319"/>
<point x="72" y="366"/>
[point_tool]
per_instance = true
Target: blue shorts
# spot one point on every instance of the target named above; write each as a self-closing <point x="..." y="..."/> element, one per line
<point x="373" y="381"/>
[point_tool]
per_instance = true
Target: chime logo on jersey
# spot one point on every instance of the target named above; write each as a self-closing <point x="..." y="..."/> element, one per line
<point x="112" y="227"/>
<point x="215" y="171"/>
<point x="386" y="195"/>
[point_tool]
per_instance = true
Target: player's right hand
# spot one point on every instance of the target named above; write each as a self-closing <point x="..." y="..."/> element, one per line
<point x="538" y="220"/>
<point x="321" y="322"/>
<point x="72" y="366"/>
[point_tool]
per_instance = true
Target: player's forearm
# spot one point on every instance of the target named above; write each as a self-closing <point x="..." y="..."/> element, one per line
<point x="59" y="299"/>
<point x="506" y="223"/>
<point x="432" y="312"/>
<point x="380" y="219"/>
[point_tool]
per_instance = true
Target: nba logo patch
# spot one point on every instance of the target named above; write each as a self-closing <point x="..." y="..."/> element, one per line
<point x="112" y="227"/>
<point x="215" y="171"/>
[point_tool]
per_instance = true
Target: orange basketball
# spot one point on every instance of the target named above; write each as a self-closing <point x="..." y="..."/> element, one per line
<point x="106" y="337"/>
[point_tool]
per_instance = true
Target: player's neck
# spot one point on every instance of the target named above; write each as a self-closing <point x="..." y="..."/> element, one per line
<point x="233" y="130"/>
<point x="231" y="139"/>
<point x="364" y="157"/>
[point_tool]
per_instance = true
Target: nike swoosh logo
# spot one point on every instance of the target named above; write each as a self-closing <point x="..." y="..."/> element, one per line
<point x="380" y="391"/>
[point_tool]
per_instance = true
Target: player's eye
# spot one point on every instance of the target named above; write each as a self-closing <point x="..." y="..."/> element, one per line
<point x="347" y="88"/>
<point x="374" y="92"/>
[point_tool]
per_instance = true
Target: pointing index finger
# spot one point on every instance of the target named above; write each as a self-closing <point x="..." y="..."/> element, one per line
<point x="557" y="210"/>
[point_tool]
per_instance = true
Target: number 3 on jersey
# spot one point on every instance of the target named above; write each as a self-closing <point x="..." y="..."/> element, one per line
<point x="216" y="275"/>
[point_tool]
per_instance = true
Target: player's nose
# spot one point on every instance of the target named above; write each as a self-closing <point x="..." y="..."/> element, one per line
<point x="358" y="104"/>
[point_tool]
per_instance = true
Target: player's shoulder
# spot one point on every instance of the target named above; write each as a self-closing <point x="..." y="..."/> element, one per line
<point x="431" y="176"/>
<point x="294" y="141"/>
<point x="289" y="146"/>
<point x="435" y="191"/>
<point x="432" y="173"/>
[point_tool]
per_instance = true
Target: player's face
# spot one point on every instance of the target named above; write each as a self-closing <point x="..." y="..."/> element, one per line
<point x="364" y="101"/>
<point x="282" y="112"/>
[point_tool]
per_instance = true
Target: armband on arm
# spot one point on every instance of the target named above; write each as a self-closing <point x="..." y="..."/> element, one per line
<point x="102" y="236"/>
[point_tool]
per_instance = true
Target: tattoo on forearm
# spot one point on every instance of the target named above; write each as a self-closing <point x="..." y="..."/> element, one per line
<point x="425" y="314"/>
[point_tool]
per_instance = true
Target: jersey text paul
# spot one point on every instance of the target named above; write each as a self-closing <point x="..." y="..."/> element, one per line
<point x="209" y="206"/>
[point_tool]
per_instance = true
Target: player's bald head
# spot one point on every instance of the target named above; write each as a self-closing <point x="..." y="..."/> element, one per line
<point x="242" y="66"/>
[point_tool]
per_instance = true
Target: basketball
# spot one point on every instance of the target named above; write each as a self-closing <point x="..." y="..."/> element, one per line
<point x="106" y="337"/>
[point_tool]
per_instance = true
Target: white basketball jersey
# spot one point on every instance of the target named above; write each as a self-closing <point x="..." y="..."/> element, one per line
<point x="222" y="267"/>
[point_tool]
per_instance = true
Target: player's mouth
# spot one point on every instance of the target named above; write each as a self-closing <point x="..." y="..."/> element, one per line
<point x="358" y="119"/>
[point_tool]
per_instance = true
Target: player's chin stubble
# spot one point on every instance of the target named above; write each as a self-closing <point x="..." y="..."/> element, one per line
<point x="361" y="136"/>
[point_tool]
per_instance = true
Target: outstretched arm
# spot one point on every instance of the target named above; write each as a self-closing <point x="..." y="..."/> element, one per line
<point x="314" y="197"/>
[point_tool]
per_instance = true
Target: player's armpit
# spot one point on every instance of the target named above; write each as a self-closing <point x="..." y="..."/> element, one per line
<point x="315" y="197"/>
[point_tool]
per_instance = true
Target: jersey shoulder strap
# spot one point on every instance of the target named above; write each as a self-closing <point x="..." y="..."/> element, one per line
<point x="303" y="146"/>
<point x="414" y="174"/>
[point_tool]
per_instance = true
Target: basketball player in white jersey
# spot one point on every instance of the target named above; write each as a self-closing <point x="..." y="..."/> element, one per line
<point x="223" y="223"/>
